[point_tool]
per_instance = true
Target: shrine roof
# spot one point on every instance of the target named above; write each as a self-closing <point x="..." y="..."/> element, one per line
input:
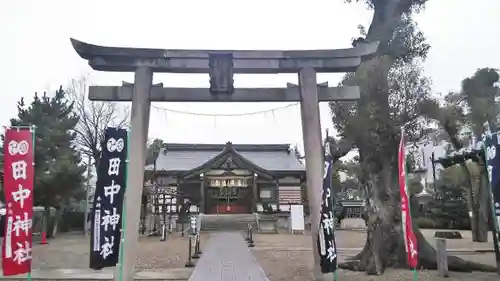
<point x="186" y="157"/>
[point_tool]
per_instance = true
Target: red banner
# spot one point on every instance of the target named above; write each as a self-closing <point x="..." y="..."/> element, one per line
<point x="18" y="188"/>
<point x="409" y="235"/>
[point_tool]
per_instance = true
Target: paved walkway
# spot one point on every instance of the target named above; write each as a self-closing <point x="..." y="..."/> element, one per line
<point x="227" y="258"/>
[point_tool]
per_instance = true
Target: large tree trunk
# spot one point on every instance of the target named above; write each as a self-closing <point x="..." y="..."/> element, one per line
<point x="482" y="199"/>
<point x="384" y="246"/>
<point x="482" y="203"/>
<point x="385" y="243"/>
<point x="478" y="229"/>
<point x="471" y="202"/>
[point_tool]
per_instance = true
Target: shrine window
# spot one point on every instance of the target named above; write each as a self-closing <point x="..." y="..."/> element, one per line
<point x="266" y="193"/>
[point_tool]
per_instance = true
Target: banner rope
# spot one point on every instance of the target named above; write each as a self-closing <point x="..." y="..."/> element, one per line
<point x="334" y="204"/>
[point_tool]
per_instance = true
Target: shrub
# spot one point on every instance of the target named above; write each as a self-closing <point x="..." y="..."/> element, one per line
<point x="425" y="222"/>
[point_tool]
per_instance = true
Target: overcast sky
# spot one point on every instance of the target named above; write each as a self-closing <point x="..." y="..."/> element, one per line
<point x="36" y="54"/>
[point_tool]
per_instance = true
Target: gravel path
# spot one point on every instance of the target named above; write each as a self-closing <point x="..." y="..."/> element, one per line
<point x="282" y="256"/>
<point x="288" y="257"/>
<point x="353" y="239"/>
<point x="297" y="266"/>
<point x="72" y="251"/>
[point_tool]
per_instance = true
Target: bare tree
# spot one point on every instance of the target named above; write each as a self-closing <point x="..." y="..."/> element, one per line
<point x="95" y="117"/>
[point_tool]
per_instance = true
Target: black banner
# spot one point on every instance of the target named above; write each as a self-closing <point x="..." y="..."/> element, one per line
<point x="326" y="233"/>
<point x="108" y="200"/>
<point x="492" y="150"/>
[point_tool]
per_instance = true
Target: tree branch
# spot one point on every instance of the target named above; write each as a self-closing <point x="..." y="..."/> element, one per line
<point x="339" y="149"/>
<point x="94" y="118"/>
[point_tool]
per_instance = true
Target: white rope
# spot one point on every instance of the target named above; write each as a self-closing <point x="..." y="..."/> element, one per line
<point x="272" y="110"/>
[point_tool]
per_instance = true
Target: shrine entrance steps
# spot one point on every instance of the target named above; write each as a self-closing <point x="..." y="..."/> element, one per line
<point x="228" y="222"/>
<point x="227" y="257"/>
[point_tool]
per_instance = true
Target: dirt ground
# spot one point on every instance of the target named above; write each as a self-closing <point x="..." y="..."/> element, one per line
<point x="355" y="239"/>
<point x="282" y="256"/>
<point x="72" y="251"/>
<point x="289" y="257"/>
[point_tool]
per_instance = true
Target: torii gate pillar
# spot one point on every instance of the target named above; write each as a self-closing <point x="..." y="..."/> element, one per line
<point x="313" y="149"/>
<point x="221" y="65"/>
<point x="139" y="124"/>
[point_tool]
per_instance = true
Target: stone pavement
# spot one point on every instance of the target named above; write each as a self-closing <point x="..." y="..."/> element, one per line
<point x="227" y="258"/>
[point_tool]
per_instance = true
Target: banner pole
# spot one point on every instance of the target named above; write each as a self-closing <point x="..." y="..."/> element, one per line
<point x="123" y="218"/>
<point x="33" y="139"/>
<point x="415" y="275"/>
<point x="334" y="204"/>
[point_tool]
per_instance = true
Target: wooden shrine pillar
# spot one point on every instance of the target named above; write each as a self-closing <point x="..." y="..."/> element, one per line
<point x="254" y="193"/>
<point x="202" y="193"/>
<point x="277" y="193"/>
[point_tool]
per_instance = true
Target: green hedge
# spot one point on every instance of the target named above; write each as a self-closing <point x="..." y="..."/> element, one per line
<point x="435" y="223"/>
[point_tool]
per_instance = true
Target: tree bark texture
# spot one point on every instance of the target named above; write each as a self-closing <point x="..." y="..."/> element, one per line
<point x="478" y="227"/>
<point x="481" y="201"/>
<point x="483" y="205"/>
<point x="471" y="203"/>
<point x="385" y="242"/>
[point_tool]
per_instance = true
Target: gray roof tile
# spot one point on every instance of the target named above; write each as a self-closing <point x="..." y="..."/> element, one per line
<point x="184" y="157"/>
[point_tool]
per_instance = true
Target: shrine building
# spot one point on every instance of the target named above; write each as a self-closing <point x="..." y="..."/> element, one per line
<point x="230" y="178"/>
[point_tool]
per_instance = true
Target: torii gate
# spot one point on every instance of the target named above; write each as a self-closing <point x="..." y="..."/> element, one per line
<point x="221" y="66"/>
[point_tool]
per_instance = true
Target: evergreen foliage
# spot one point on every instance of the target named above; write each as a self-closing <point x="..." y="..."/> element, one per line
<point x="461" y="156"/>
<point x="448" y="209"/>
<point x="58" y="173"/>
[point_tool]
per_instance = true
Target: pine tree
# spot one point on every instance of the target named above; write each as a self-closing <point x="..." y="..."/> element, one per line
<point x="449" y="209"/>
<point x="58" y="172"/>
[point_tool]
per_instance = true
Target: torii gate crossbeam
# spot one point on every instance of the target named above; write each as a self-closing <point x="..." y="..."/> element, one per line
<point x="221" y="66"/>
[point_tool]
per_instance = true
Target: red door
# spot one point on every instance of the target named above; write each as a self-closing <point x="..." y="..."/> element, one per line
<point x="227" y="201"/>
<point x="228" y="208"/>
